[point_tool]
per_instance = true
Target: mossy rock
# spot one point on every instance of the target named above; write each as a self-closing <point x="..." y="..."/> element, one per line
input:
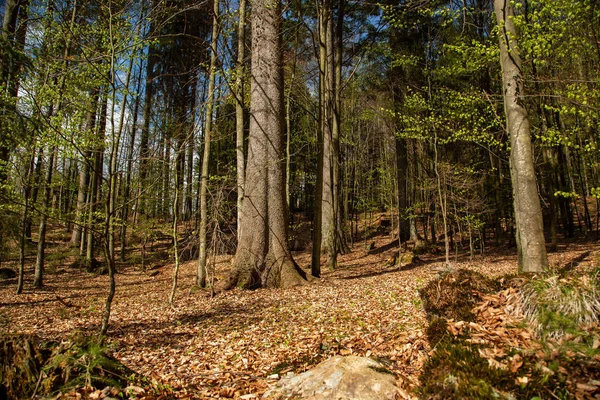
<point x="408" y="257"/>
<point x="421" y="247"/>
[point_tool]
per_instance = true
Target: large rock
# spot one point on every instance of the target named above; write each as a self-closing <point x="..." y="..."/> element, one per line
<point x="339" y="378"/>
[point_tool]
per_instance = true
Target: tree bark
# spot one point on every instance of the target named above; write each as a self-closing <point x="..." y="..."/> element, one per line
<point x="141" y="206"/>
<point x="127" y="189"/>
<point x="38" y="280"/>
<point x="528" y="213"/>
<point x="263" y="257"/>
<point x="239" y="111"/>
<point x="327" y="75"/>
<point x="96" y="180"/>
<point x="208" y="126"/>
<point x="84" y="174"/>
<point x="7" y="69"/>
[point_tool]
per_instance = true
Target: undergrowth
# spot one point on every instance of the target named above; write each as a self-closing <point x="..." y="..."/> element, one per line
<point x="33" y="367"/>
<point x="564" y="307"/>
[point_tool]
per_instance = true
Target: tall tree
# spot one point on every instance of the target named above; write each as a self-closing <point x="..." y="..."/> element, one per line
<point x="208" y="127"/>
<point x="239" y="110"/>
<point x="531" y="244"/>
<point x="10" y="43"/>
<point x="263" y="257"/>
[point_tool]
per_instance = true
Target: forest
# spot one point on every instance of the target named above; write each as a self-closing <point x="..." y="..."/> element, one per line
<point x="221" y="198"/>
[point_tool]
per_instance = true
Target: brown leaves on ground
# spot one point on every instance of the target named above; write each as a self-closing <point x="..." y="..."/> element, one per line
<point x="498" y="329"/>
<point x="234" y="345"/>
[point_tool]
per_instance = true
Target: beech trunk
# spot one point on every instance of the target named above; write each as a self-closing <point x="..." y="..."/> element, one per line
<point x="531" y="244"/>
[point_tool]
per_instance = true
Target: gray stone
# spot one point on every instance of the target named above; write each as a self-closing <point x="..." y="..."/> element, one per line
<point x="339" y="378"/>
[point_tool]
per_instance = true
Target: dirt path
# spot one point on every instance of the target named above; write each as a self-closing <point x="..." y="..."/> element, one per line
<point x="205" y="347"/>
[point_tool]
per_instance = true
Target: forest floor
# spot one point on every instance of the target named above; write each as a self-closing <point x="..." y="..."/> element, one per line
<point x="240" y="341"/>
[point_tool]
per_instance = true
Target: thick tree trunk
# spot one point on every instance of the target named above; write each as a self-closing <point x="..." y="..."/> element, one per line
<point x="319" y="208"/>
<point x="127" y="189"/>
<point x="263" y="258"/>
<point x="341" y="244"/>
<point x="288" y="127"/>
<point x="528" y="213"/>
<point x="327" y="204"/>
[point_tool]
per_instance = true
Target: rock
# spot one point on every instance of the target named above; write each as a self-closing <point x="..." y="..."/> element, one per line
<point x="7" y="273"/>
<point x="340" y="378"/>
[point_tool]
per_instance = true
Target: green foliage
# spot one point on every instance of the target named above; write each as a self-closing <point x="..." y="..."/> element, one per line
<point x="82" y="361"/>
<point x="566" y="195"/>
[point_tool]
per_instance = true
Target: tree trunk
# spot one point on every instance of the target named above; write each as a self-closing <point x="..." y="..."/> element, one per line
<point x="188" y="197"/>
<point x="340" y="237"/>
<point x="141" y="206"/>
<point x="208" y="126"/>
<point x="239" y="111"/>
<point x="96" y="180"/>
<point x="528" y="213"/>
<point x="38" y="280"/>
<point x="127" y="190"/>
<point x="263" y="257"/>
<point x="318" y="207"/>
<point x="327" y="204"/>
<point x="84" y="175"/>
<point x="7" y="72"/>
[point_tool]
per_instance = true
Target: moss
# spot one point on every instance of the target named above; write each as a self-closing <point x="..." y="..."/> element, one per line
<point x="457" y="371"/>
<point x="282" y="367"/>
<point x="437" y="330"/>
